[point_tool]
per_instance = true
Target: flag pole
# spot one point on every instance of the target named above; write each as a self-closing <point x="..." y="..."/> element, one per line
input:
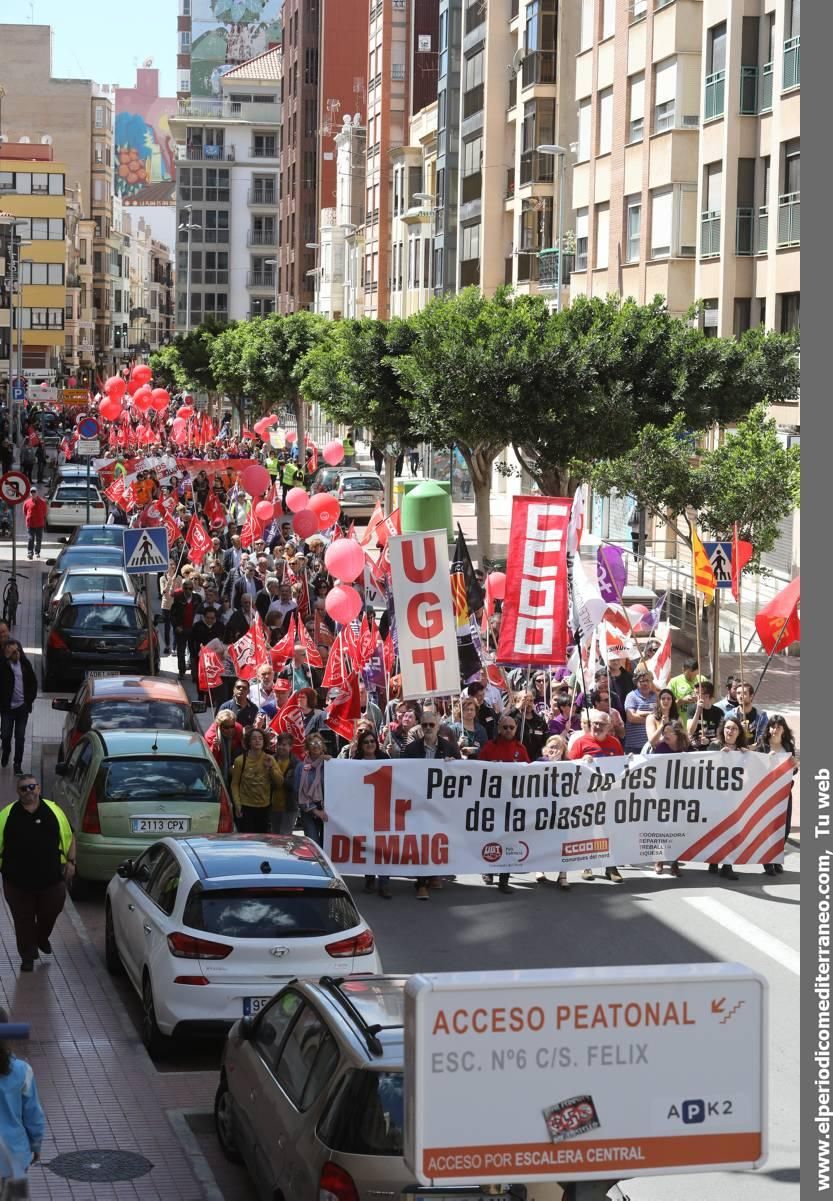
<point x="775" y="648"/>
<point x="697" y="630"/>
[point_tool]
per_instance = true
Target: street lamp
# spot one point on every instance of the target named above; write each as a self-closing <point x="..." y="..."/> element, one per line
<point x="190" y="226"/>
<point x="316" y="246"/>
<point x="273" y="263"/>
<point x="558" y="152"/>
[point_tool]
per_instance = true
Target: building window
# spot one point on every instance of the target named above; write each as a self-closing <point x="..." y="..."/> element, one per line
<point x="588" y="14"/>
<point x="601" y="248"/>
<point x="633" y="228"/>
<point x="608" y="18"/>
<point x="662" y="208"/>
<point x="581" y="239"/>
<point x="742" y="320"/>
<point x="636" y="107"/>
<point x="605" y="111"/>
<point x="185" y="41"/>
<point x="99" y="116"/>
<point x="710" y="318"/>
<point x="583" y="153"/>
<point x="665" y="95"/>
<point x="715" y="90"/>
<point x="790" y="312"/>
<point x="473" y="84"/>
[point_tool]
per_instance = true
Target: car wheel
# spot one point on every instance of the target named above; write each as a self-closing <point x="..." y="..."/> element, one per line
<point x="111" y="952"/>
<point x="224" y="1121"/>
<point x="157" y="1044"/>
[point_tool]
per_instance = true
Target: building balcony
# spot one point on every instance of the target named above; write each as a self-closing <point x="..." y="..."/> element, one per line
<point x="260" y="279"/>
<point x="715" y="97"/>
<point x="270" y="150"/>
<point x="710" y="235"/>
<point x="473" y="101"/>
<point x="537" y="168"/>
<point x="471" y="187"/>
<point x="789" y="219"/>
<point x="262" y="237"/>
<point x="262" y="196"/>
<point x="200" y="154"/>
<point x="762" y="238"/>
<point x="538" y="67"/>
<point x="510" y="183"/>
<point x="548" y="268"/>
<point x="254" y="112"/>
<point x="745" y="231"/>
<point x="748" y="106"/>
<point x="792" y="64"/>
<point x="765" y="93"/>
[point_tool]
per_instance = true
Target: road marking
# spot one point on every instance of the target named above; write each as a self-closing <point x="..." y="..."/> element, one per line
<point x="748" y="931"/>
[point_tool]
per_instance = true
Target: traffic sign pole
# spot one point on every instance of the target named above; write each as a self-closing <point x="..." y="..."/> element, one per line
<point x="150" y="626"/>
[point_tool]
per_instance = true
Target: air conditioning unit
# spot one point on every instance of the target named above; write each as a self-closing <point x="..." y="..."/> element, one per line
<point x="688" y="252"/>
<point x="691" y="121"/>
<point x="46" y="140"/>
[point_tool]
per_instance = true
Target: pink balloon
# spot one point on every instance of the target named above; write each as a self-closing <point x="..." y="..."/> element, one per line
<point x="497" y="584"/>
<point x="264" y="510"/>
<point x="343" y="603"/>
<point x="304" y="523"/>
<point x="637" y="614"/>
<point x="326" y="508"/>
<point x="291" y="437"/>
<point x="333" y="453"/>
<point x="296" y="500"/>
<point x="255" y="479"/>
<point x="142" y="373"/>
<point x="110" y="409"/>
<point x="115" y="387"/>
<point x="345" y="560"/>
<point x="185" y="412"/>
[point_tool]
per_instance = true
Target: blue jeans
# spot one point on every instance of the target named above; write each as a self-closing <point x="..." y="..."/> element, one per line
<point x="312" y="826"/>
<point x="14" y="722"/>
<point x="35" y="539"/>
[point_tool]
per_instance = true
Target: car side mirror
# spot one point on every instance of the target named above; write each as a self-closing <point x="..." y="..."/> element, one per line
<point x="63" y="539"/>
<point x="199" y="706"/>
<point x="126" y="869"/>
<point x="51" y="562"/>
<point x="62" y="704"/>
<point x="61" y="769"/>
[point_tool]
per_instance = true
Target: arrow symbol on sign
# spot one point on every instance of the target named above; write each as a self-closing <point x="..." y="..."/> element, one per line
<point x="718" y="1006"/>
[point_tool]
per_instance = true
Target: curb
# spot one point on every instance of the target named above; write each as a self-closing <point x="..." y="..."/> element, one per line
<point x="200" y="1166"/>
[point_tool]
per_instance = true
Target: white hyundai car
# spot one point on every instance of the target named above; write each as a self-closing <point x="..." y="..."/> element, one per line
<point x="209" y="928"/>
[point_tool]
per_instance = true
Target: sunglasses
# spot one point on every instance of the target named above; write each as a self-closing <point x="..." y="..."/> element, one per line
<point x="429" y="725"/>
<point x="27" y="787"/>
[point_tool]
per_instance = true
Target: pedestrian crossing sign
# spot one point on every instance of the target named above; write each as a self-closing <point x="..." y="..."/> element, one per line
<point x="146" y="551"/>
<point x="720" y="557"/>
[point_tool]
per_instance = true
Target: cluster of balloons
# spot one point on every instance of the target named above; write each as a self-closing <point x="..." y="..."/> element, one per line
<point x="312" y="513"/>
<point x="142" y="397"/>
<point x="345" y="561"/>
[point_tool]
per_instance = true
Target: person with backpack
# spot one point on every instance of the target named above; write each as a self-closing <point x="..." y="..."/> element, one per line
<point x="255" y="777"/>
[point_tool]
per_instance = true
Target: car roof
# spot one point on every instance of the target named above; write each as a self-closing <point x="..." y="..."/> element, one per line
<point x="111" y="549"/>
<point x="125" y="688"/>
<point x="219" y="859"/>
<point x="88" y="568"/>
<point x="170" y="743"/>
<point x="371" y="1008"/>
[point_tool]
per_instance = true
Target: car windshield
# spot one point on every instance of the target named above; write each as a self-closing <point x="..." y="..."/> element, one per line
<point x="368" y="1116"/>
<point x="161" y="779"/>
<point x="74" y="492"/>
<point x="98" y="535"/>
<point x="360" y="483"/>
<point x="135" y="715"/>
<point x="102" y="617"/>
<point x="270" y="912"/>
<point x="81" y="582"/>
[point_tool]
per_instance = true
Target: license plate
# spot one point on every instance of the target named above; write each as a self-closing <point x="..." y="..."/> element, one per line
<point x="253" y="1005"/>
<point x="160" y="825"/>
<point x="360" y="498"/>
<point x="100" y="675"/>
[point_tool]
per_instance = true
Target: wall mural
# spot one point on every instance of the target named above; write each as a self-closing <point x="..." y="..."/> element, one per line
<point x="227" y="32"/>
<point x="144" y="167"/>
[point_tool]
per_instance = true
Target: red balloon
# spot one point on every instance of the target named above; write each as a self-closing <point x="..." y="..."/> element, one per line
<point x="133" y="386"/>
<point x="115" y="387"/>
<point x="345" y="560"/>
<point x="326" y="508"/>
<point x="142" y="399"/>
<point x="333" y="453"/>
<point x="304" y="523"/>
<point x="264" y="510"/>
<point x="296" y="500"/>
<point x="255" y="479"/>
<point x="158" y="403"/>
<point x="185" y="412"/>
<point x="291" y="437"/>
<point x="142" y="373"/>
<point x="178" y="431"/>
<point x="497" y="584"/>
<point x="343" y="603"/>
<point x="110" y="409"/>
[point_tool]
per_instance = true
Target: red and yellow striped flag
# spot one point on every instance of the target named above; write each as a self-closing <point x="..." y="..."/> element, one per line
<point x="704" y="580"/>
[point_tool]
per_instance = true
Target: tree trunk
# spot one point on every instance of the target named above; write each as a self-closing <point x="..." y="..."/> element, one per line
<point x="390" y="474"/>
<point x="482" y="507"/>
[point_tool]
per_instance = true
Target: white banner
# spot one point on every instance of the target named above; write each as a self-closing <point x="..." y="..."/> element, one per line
<point x="415" y="817"/>
<point x="421" y="581"/>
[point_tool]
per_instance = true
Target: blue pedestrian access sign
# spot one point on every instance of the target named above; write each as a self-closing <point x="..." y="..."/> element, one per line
<point x="720" y="557"/>
<point x="145" y="551"/>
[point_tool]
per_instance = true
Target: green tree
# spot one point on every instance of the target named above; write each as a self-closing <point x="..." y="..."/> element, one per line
<point x="352" y="373"/>
<point x="186" y="362"/>
<point x="472" y="362"/>
<point x="608" y="369"/>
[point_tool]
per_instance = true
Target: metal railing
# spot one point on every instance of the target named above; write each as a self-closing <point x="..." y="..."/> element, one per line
<point x="748" y="91"/>
<point x="789" y="219"/>
<point x="270" y="150"/>
<point x="262" y="237"/>
<point x="200" y="154"/>
<point x="715" y="98"/>
<point x="260" y="279"/>
<point x="539" y="66"/>
<point x="762" y="239"/>
<point x="257" y="196"/>
<point x="537" y="168"/>
<point x="709" y="235"/>
<point x="765" y="94"/>
<point x="792" y="64"/>
<point x="231" y="110"/>
<point x="745" y="231"/>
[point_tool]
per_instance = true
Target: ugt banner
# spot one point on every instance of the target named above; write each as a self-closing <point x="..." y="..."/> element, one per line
<point x="424" y="614"/>
<point x="533" y="629"/>
<point x="414" y="817"/>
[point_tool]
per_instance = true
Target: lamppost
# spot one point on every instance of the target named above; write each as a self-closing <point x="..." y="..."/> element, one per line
<point x="190" y="226"/>
<point x="558" y="152"/>
<point x="273" y="263"/>
<point x="316" y="271"/>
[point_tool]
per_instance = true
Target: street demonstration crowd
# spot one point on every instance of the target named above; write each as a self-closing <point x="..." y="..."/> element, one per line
<point x="296" y="673"/>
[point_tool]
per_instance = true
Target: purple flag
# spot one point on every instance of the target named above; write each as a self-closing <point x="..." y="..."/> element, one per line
<point x="651" y="620"/>
<point x="612" y="573"/>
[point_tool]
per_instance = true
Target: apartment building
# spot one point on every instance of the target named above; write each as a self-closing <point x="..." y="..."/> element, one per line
<point x="151" y="288"/>
<point x="687" y="174"/>
<point x="211" y="37"/>
<point x="339" y="279"/>
<point x="414" y="169"/>
<point x="79" y="325"/>
<point x="228" y="160"/>
<point x="33" y="197"/>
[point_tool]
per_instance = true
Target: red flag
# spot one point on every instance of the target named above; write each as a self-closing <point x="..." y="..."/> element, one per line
<point x="311" y="650"/>
<point x="338" y="532"/>
<point x="334" y="676"/>
<point x="615" y="616"/>
<point x="348" y="641"/>
<point x="248" y="434"/>
<point x="742" y="552"/>
<point x="115" y="492"/>
<point x="389" y="527"/>
<point x="252" y="529"/>
<point x="282" y="650"/>
<point x="213" y="510"/>
<point x="304" y="597"/>
<point x="376" y="518"/>
<point x="172" y="526"/>
<point x="778" y="622"/>
<point x="209" y="670"/>
<point x="242" y="655"/>
<point x="345" y="708"/>
<point x="364" y="643"/>
<point x="389" y="653"/>
<point x="260" y="641"/>
<point x="289" y="719"/>
<point x="152" y="514"/>
<point x="197" y="541"/>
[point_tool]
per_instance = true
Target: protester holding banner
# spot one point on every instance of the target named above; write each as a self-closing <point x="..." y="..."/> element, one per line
<point x="309" y="788"/>
<point x="664" y="712"/>
<point x="470" y="734"/>
<point x="704" y="716"/>
<point x="638" y="705"/>
<point x="777" y="738"/>
<point x="731" y="736"/>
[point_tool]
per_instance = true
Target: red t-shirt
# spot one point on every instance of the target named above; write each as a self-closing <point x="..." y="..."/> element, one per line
<point x="599" y="748"/>
<point x="500" y="751"/>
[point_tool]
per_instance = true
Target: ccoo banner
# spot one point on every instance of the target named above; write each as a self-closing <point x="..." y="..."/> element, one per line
<point x="533" y="628"/>
<point x="424" y="614"/>
<point x="417" y="817"/>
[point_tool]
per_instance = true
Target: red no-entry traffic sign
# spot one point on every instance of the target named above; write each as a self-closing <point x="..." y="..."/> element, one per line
<point x="14" y="487"/>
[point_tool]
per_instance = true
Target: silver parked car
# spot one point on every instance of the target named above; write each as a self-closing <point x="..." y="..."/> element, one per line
<point x="311" y="1097"/>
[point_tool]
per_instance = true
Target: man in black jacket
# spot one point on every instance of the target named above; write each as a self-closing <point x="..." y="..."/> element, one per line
<point x="18" y="689"/>
<point x="249" y="584"/>
<point x="202" y="632"/>
<point x="184" y="608"/>
<point x="430" y="746"/>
